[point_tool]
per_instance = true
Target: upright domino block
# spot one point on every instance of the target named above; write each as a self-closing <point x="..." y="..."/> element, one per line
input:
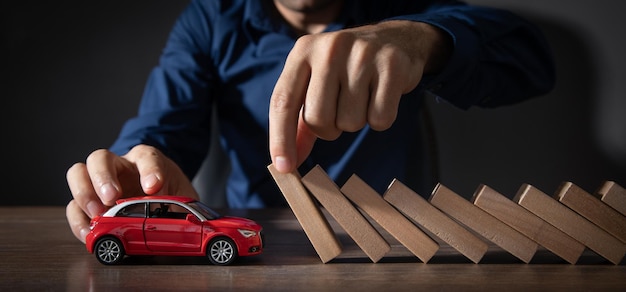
<point x="528" y="224"/>
<point x="483" y="223"/>
<point x="571" y="223"/>
<point x="613" y="195"/>
<point x="368" y="200"/>
<point x="433" y="220"/>
<point x="329" y="195"/>
<point x="593" y="209"/>
<point x="313" y="222"/>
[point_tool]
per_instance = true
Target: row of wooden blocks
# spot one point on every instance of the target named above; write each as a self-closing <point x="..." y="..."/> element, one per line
<point x="564" y="225"/>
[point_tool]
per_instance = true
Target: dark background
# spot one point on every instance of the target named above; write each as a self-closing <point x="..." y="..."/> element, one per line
<point x="73" y="71"/>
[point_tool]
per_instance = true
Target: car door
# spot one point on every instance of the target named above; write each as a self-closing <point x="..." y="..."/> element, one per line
<point x="167" y="229"/>
<point x="130" y="220"/>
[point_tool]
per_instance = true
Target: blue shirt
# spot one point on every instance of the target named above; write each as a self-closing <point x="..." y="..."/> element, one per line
<point x="229" y="54"/>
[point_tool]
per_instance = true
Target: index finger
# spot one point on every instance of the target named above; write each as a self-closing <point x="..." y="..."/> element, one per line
<point x="285" y="104"/>
<point x="103" y="167"/>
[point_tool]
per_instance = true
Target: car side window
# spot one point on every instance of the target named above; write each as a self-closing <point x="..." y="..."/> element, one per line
<point x="134" y="210"/>
<point x="167" y="210"/>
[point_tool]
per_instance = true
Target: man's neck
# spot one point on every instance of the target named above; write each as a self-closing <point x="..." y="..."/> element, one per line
<point x="309" y="21"/>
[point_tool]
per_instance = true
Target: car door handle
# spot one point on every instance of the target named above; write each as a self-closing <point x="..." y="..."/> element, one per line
<point x="150" y="228"/>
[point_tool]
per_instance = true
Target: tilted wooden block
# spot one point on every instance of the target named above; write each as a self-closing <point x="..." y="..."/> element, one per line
<point x="368" y="200"/>
<point x="483" y="223"/>
<point x="311" y="219"/>
<point x="593" y="209"/>
<point x="348" y="217"/>
<point x="613" y="195"/>
<point x="571" y="223"/>
<point x="433" y="220"/>
<point x="528" y="224"/>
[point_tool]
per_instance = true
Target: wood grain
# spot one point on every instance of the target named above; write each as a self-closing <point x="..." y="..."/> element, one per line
<point x="368" y="200"/>
<point x="571" y="223"/>
<point x="528" y="224"/>
<point x="432" y="219"/>
<point x="613" y="195"/>
<point x="593" y="209"/>
<point x="39" y="253"/>
<point x="362" y="232"/>
<point x="484" y="224"/>
<point x="313" y="223"/>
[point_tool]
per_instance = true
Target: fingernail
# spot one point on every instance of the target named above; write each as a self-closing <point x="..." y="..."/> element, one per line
<point x="149" y="181"/>
<point x="94" y="209"/>
<point x="282" y="164"/>
<point x="108" y="192"/>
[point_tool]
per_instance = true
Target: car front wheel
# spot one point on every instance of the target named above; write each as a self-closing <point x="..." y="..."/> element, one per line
<point x="222" y="251"/>
<point x="109" y="251"/>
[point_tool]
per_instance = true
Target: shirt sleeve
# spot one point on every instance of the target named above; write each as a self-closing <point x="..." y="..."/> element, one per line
<point x="498" y="58"/>
<point x="175" y="111"/>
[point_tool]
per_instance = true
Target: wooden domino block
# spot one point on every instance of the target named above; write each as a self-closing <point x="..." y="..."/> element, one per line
<point x="593" y="209"/>
<point x="528" y="224"/>
<point x="571" y="223"/>
<point x="484" y="224"/>
<point x="613" y="195"/>
<point x="311" y="219"/>
<point x="328" y="194"/>
<point x="370" y="202"/>
<point x="433" y="220"/>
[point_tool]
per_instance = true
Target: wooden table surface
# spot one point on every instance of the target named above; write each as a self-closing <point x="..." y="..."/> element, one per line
<point x="39" y="253"/>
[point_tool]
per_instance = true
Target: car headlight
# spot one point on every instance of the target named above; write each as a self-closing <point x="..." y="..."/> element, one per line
<point x="246" y="233"/>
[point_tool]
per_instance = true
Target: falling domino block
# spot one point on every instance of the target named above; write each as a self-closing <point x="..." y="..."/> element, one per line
<point x="328" y="194"/>
<point x="528" y="224"/>
<point x="433" y="220"/>
<point x="594" y="210"/>
<point x="484" y="224"/>
<point x="311" y="219"/>
<point x="613" y="195"/>
<point x="409" y="235"/>
<point x="571" y="223"/>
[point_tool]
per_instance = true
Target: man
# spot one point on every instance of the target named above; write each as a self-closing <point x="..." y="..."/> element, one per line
<point x="284" y="73"/>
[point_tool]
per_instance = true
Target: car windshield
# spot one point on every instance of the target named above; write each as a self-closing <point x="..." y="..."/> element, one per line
<point x="207" y="212"/>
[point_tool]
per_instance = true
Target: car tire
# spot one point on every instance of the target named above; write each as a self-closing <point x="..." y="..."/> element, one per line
<point x="109" y="251"/>
<point x="222" y="251"/>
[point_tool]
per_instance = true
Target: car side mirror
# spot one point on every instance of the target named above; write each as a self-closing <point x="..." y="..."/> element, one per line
<point x="192" y="218"/>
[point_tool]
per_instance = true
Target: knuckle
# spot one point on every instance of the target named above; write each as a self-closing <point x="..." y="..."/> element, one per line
<point x="281" y="103"/>
<point x="323" y="128"/>
<point x="304" y="42"/>
<point x="142" y="148"/>
<point x="381" y="122"/>
<point x="350" y="124"/>
<point x="332" y="134"/>
<point x="144" y="152"/>
<point x="71" y="208"/>
<point x="301" y="48"/>
<point x="329" y="134"/>
<point x="317" y="121"/>
<point x="97" y="155"/>
<point x="74" y="170"/>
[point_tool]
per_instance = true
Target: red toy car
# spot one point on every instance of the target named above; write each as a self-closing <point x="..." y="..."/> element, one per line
<point x="168" y="225"/>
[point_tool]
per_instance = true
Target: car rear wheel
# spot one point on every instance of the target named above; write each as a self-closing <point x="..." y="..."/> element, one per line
<point x="222" y="251"/>
<point x="109" y="251"/>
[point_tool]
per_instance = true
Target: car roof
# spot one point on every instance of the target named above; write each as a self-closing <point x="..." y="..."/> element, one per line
<point x="180" y="199"/>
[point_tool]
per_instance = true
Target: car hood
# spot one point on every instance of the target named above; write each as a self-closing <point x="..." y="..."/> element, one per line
<point x="234" y="222"/>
